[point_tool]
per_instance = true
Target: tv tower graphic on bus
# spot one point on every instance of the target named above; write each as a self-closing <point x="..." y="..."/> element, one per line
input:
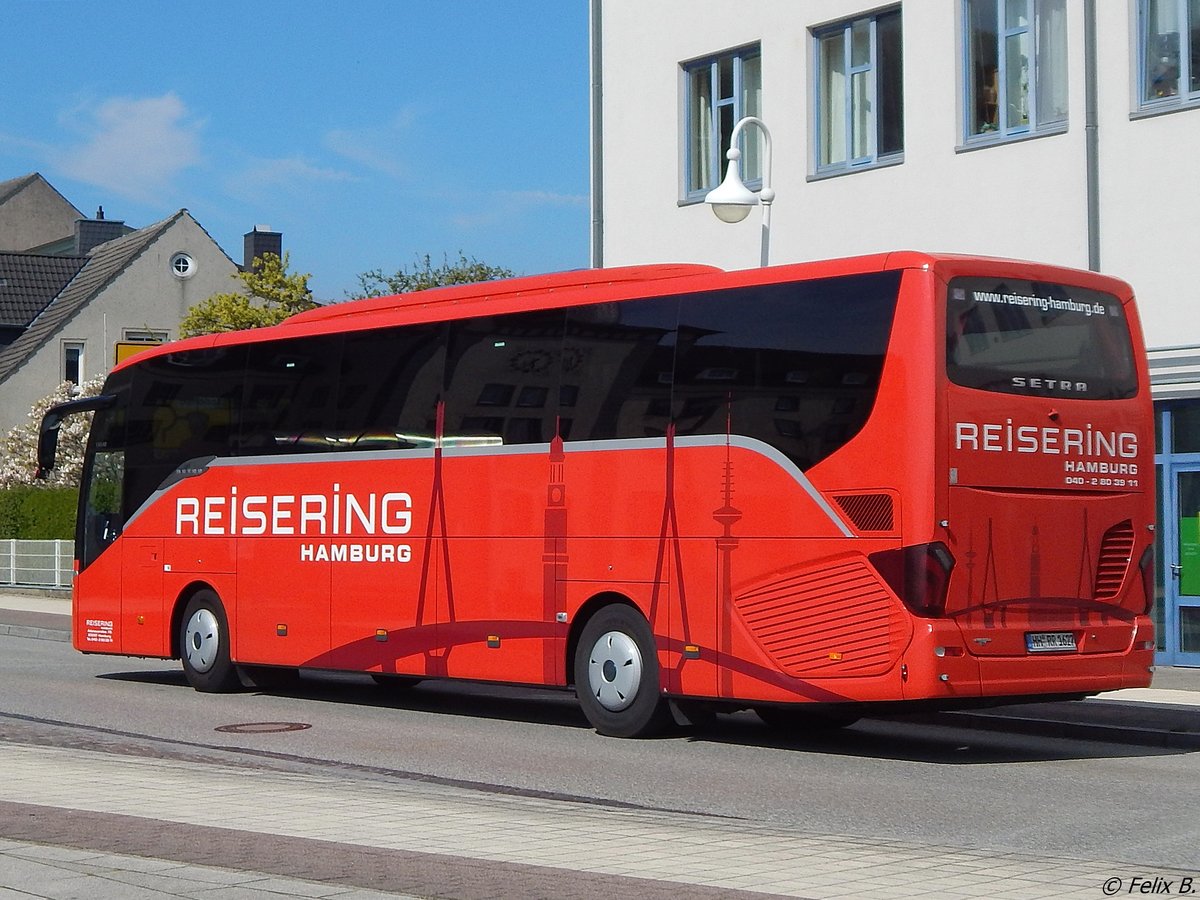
<point x="554" y="553"/>
<point x="727" y="516"/>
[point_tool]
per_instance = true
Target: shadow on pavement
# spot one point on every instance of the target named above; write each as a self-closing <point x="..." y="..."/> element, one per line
<point x="936" y="738"/>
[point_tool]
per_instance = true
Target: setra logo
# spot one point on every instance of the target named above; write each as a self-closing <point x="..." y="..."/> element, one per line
<point x="1062" y="385"/>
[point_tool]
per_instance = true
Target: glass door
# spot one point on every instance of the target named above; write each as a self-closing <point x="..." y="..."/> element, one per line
<point x="1181" y="533"/>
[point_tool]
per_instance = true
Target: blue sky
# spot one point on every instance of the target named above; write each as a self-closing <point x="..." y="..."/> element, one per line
<point x="368" y="132"/>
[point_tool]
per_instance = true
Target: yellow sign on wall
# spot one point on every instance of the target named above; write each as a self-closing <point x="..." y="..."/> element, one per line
<point x="126" y="349"/>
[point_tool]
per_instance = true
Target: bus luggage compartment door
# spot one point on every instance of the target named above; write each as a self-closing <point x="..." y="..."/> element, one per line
<point x="1043" y="575"/>
<point x="143" y="629"/>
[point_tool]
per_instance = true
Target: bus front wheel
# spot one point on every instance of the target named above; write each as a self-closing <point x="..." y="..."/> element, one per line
<point x="204" y="645"/>
<point x="616" y="674"/>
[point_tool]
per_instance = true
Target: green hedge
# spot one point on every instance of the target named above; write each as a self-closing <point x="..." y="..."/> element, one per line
<point x="39" y="514"/>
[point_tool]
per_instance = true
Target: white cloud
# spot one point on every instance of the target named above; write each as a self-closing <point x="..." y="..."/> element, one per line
<point x="375" y="148"/>
<point x="500" y="206"/>
<point x="527" y="199"/>
<point x="357" y="148"/>
<point x="269" y="175"/>
<point x="132" y="147"/>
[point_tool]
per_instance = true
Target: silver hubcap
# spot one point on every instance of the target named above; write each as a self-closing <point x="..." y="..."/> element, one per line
<point x="615" y="670"/>
<point x="201" y="640"/>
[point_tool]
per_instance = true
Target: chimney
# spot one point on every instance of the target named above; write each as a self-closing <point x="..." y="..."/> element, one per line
<point x="91" y="233"/>
<point x="258" y="241"/>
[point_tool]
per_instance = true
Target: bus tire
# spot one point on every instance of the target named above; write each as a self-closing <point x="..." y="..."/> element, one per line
<point x="204" y="645"/>
<point x="800" y="720"/>
<point x="617" y="676"/>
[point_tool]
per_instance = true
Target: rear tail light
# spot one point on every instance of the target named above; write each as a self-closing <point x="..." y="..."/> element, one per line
<point x="920" y="576"/>
<point x="1146" y="564"/>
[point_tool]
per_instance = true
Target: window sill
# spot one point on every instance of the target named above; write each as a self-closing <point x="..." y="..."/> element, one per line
<point x="1164" y="108"/>
<point x="698" y="197"/>
<point x="885" y="163"/>
<point x="981" y="142"/>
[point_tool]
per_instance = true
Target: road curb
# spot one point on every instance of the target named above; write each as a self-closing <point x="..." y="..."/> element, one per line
<point x="1163" y="738"/>
<point x="36" y="632"/>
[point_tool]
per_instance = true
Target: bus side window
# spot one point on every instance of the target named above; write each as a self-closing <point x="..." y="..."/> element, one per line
<point x="388" y="387"/>
<point x="291" y="389"/>
<point x="502" y="378"/>
<point x="103" y="479"/>
<point x="795" y="365"/>
<point x="183" y="406"/>
<point x="628" y="351"/>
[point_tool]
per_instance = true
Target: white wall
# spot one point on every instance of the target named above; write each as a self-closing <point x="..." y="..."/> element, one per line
<point x="1149" y="191"/>
<point x="1023" y="199"/>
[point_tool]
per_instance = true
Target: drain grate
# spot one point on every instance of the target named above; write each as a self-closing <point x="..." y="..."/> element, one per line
<point x="262" y="727"/>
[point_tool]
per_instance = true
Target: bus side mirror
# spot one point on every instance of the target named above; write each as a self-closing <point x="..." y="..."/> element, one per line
<point x="47" y="447"/>
<point x="48" y="433"/>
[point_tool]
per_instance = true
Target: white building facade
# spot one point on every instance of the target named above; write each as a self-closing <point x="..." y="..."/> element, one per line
<point x="1057" y="130"/>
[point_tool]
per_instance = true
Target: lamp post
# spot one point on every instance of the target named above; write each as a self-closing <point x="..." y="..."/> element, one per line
<point x="731" y="200"/>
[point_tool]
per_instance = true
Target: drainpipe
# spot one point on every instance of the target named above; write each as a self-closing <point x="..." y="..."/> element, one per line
<point x="1091" y="135"/>
<point x="597" y="128"/>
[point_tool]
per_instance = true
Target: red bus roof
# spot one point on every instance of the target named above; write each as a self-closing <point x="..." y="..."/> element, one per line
<point x="581" y="287"/>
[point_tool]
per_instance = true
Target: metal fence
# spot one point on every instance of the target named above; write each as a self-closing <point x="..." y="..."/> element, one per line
<point x="36" y="563"/>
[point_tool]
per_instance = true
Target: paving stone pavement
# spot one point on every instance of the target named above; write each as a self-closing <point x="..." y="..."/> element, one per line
<point x="80" y="823"/>
<point x="41" y="870"/>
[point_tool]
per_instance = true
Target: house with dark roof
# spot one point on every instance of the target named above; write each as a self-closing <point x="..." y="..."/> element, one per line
<point x="28" y="282"/>
<point x="33" y="213"/>
<point x="71" y="301"/>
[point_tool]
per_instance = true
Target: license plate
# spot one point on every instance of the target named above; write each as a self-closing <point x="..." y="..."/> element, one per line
<point x="1050" y="641"/>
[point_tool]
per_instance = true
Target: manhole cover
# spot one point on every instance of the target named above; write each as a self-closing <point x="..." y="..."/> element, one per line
<point x="262" y="727"/>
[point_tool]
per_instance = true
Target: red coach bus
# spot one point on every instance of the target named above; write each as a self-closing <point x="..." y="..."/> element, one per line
<point x="800" y="489"/>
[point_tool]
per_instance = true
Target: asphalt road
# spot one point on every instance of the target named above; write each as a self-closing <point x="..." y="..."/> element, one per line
<point x="937" y="784"/>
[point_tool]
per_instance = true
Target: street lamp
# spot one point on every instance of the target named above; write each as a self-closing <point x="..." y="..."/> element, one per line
<point x="731" y="200"/>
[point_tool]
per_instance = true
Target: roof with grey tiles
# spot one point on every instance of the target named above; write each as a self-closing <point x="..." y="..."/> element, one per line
<point x="15" y="185"/>
<point x="29" y="282"/>
<point x="103" y="264"/>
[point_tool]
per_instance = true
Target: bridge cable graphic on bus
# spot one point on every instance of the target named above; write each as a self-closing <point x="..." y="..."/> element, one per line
<point x="437" y="654"/>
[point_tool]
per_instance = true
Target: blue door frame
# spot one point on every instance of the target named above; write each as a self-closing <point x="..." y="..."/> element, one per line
<point x="1178" y="566"/>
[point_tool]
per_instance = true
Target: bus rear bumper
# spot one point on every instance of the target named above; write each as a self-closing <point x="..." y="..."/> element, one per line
<point x="1089" y="675"/>
<point x="936" y="670"/>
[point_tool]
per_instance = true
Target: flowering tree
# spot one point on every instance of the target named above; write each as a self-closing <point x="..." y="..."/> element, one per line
<point x="18" y="451"/>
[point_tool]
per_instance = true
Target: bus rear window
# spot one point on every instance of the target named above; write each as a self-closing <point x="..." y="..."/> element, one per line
<point x="1038" y="339"/>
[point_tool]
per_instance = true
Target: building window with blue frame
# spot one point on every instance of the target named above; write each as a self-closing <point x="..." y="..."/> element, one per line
<point x="859" y="93"/>
<point x="718" y="92"/>
<point x="1015" y="68"/>
<point x="1169" y="48"/>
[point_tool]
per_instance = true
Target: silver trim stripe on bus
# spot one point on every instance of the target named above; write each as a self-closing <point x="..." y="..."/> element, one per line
<point x="715" y="440"/>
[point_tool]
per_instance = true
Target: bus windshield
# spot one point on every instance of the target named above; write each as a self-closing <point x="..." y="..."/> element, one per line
<point x="1038" y="339"/>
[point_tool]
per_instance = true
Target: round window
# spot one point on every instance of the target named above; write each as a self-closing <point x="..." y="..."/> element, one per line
<point x="182" y="265"/>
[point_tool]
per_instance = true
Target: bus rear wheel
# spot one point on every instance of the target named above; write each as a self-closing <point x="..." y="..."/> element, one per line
<point x="616" y="674"/>
<point x="204" y="645"/>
